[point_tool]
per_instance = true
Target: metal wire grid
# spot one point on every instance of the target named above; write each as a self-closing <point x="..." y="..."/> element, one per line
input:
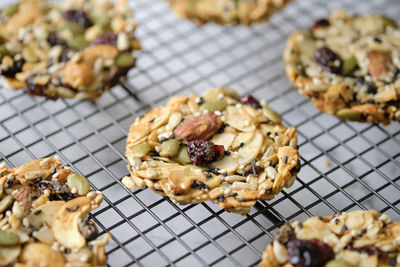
<point x="345" y="166"/>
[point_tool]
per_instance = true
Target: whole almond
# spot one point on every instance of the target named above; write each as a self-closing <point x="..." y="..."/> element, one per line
<point x="379" y="62"/>
<point x="199" y="127"/>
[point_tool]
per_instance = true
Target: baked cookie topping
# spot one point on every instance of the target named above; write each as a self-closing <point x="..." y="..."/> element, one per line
<point x="221" y="147"/>
<point x="77" y="49"/>
<point x="348" y="66"/>
<point x="44" y="220"/>
<point x="227" y="11"/>
<point x="354" y="239"/>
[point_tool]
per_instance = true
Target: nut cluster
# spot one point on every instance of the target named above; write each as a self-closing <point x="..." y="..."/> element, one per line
<point x="44" y="220"/>
<point x="218" y="146"/>
<point x="78" y="49"/>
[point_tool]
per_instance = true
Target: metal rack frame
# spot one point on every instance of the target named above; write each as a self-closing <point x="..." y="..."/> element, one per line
<point x="345" y="166"/>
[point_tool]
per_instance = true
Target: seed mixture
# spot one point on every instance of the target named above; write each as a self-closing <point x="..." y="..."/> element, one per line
<point x="77" y="49"/>
<point x="44" y="220"/>
<point x="220" y="146"/>
<point x="227" y="11"/>
<point x="353" y="239"/>
<point x="348" y="66"/>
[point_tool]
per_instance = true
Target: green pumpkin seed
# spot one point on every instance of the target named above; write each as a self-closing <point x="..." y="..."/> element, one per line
<point x="349" y="64"/>
<point x="272" y="114"/>
<point x="169" y="148"/>
<point x="79" y="183"/>
<point x="75" y="28"/>
<point x="8" y="239"/>
<point x="141" y="150"/>
<point x="99" y="16"/>
<point x="5" y="203"/>
<point x="10" y="11"/>
<point x="182" y="157"/>
<point x="215" y="105"/>
<point x="29" y="55"/>
<point x="338" y="263"/>
<point x="388" y="21"/>
<point x="348" y="114"/>
<point x="124" y="60"/>
<point x="3" y="51"/>
<point x="79" y="42"/>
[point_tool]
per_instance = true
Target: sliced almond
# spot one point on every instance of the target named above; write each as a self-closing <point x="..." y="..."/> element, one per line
<point x="224" y="139"/>
<point x="238" y="118"/>
<point x="227" y="163"/>
<point x="242" y="138"/>
<point x="66" y="222"/>
<point x="44" y="235"/>
<point x="45" y="214"/>
<point x="38" y="169"/>
<point x="249" y="152"/>
<point x="181" y="180"/>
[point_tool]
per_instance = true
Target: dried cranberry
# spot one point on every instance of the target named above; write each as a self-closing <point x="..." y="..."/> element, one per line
<point x="77" y="16"/>
<point x="14" y="69"/>
<point x="328" y="60"/>
<point x="109" y="38"/>
<point x="250" y="100"/>
<point x="320" y="24"/>
<point x="202" y="152"/>
<point x="54" y="40"/>
<point x="309" y="253"/>
<point x="252" y="170"/>
<point x="117" y="75"/>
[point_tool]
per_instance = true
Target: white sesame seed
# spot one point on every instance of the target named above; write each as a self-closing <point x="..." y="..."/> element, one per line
<point x="73" y="190"/>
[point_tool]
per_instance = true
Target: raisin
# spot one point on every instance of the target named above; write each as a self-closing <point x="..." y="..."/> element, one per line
<point x="320" y="24"/>
<point x="202" y="152"/>
<point x="309" y="253"/>
<point x="77" y="16"/>
<point x="54" y="40"/>
<point x="14" y="69"/>
<point x="250" y="100"/>
<point x="328" y="60"/>
<point x="34" y="88"/>
<point x="108" y="38"/>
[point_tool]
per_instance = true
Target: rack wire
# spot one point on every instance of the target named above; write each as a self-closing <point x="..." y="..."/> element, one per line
<point x="345" y="166"/>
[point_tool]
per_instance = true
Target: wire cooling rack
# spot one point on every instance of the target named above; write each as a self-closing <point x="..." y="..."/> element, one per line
<point x="345" y="165"/>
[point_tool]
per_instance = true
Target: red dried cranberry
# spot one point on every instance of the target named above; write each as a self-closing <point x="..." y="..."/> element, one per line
<point x="320" y="24"/>
<point x="77" y="16"/>
<point x="309" y="253"/>
<point x="109" y="38"/>
<point x="202" y="152"/>
<point x="328" y="60"/>
<point x="250" y="100"/>
<point x="54" y="40"/>
<point x="14" y="69"/>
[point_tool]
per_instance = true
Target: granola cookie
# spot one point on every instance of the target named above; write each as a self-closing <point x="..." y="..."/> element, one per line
<point x="348" y="66"/>
<point x="44" y="220"/>
<point x="353" y="239"/>
<point x="220" y="147"/>
<point x="227" y="11"/>
<point x="77" y="49"/>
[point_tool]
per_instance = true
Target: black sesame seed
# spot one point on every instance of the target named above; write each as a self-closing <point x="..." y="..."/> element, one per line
<point x="221" y="198"/>
<point x="285" y="159"/>
<point x="337" y="221"/>
<point x="37" y="212"/>
<point x="233" y="194"/>
<point x="34" y="198"/>
<point x="241" y="144"/>
<point x="225" y="174"/>
<point x="345" y="228"/>
<point x="152" y="120"/>
<point x="227" y="152"/>
<point x="241" y="199"/>
<point x="208" y="175"/>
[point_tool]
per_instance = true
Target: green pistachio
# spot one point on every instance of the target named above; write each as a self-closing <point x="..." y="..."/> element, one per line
<point x="99" y="16"/>
<point x="141" y="150"/>
<point x="75" y="28"/>
<point x="3" y="51"/>
<point x="388" y="21"/>
<point x="169" y="148"/>
<point x="80" y="183"/>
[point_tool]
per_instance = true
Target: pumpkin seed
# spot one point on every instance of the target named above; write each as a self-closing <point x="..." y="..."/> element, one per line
<point x="338" y="263"/>
<point x="182" y="157"/>
<point x="99" y="16"/>
<point x="386" y="21"/>
<point x="29" y="55"/>
<point x="78" y="42"/>
<point x="349" y="64"/>
<point x="124" y="60"/>
<point x="272" y="114"/>
<point x="3" y="51"/>
<point x="215" y="105"/>
<point x="75" y="28"/>
<point x="348" y="114"/>
<point x="5" y="203"/>
<point x="10" y="11"/>
<point x="8" y="239"/>
<point x="141" y="150"/>
<point x="169" y="148"/>
<point x="79" y="183"/>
